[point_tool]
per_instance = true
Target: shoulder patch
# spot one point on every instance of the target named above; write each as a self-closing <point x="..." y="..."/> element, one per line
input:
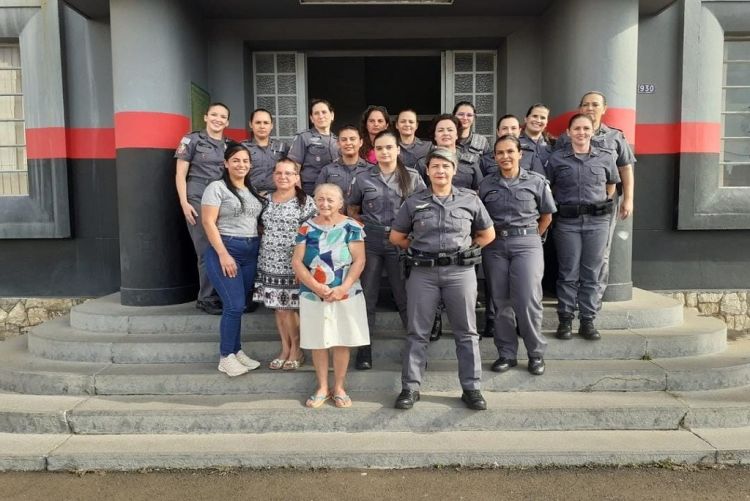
<point x="185" y="140"/>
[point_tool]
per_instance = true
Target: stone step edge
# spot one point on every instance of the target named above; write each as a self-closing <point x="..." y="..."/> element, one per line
<point x="373" y="411"/>
<point x="106" y="313"/>
<point x="22" y="372"/>
<point x="372" y="450"/>
<point x="57" y="341"/>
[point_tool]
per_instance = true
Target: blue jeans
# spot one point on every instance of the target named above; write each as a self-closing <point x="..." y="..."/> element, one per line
<point x="233" y="291"/>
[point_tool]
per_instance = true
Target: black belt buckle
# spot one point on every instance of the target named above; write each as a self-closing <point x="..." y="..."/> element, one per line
<point x="443" y="261"/>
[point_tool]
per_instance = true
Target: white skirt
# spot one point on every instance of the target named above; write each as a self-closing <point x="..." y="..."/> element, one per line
<point x="340" y="323"/>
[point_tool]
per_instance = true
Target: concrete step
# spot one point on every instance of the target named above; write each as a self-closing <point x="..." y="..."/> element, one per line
<point x="106" y="314"/>
<point x="372" y="411"/>
<point x="57" y="340"/>
<point x="372" y="449"/>
<point x="24" y="373"/>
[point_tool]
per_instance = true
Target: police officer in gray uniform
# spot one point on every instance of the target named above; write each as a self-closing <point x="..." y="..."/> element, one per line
<point x="472" y="144"/>
<point x="341" y="172"/>
<point x="442" y="228"/>
<point x="200" y="161"/>
<point x="521" y="206"/>
<point x="315" y="147"/>
<point x="264" y="151"/>
<point x="374" y="199"/>
<point x="594" y="105"/>
<point x="445" y="131"/>
<point x="412" y="148"/>
<point x="583" y="179"/>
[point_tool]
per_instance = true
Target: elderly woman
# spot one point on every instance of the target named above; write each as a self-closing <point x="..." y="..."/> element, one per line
<point x="229" y="211"/>
<point x="276" y="286"/>
<point x="328" y="260"/>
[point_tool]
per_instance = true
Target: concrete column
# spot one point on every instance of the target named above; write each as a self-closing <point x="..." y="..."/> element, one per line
<point x="157" y="51"/>
<point x="592" y="45"/>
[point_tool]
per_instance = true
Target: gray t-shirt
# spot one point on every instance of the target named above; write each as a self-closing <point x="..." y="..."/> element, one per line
<point x="235" y="219"/>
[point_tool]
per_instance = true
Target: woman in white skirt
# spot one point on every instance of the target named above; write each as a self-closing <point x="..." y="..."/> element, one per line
<point x="328" y="258"/>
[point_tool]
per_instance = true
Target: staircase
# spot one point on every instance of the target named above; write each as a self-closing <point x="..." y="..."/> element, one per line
<point x="123" y="388"/>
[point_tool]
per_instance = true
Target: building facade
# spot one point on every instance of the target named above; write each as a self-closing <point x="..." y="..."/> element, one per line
<point x="96" y="96"/>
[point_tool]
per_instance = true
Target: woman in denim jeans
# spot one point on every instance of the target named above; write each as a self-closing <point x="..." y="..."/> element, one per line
<point x="230" y="209"/>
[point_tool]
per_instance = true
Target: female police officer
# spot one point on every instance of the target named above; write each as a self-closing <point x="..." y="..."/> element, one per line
<point x="374" y="199"/>
<point x="448" y="225"/>
<point x="445" y="131"/>
<point x="315" y="147"/>
<point x="521" y="206"/>
<point x="583" y="179"/>
<point x="200" y="160"/>
<point x="264" y="151"/>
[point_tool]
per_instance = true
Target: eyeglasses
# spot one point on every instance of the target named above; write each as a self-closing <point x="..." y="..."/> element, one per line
<point x="465" y="115"/>
<point x="285" y="174"/>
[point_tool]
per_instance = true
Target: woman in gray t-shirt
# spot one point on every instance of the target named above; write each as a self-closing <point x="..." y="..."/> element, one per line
<point x="230" y="209"/>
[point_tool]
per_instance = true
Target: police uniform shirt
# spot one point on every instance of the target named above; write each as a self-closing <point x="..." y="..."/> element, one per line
<point x="468" y="173"/>
<point x="205" y="155"/>
<point x="607" y="138"/>
<point x="517" y="202"/>
<point x="442" y="226"/>
<point x="379" y="200"/>
<point x="312" y="150"/>
<point x="581" y="181"/>
<point x="263" y="161"/>
<point x="534" y="154"/>
<point x="341" y="174"/>
<point x="412" y="153"/>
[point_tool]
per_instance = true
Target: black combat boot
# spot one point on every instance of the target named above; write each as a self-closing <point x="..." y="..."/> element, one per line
<point x="565" y="327"/>
<point x="364" y="358"/>
<point x="588" y="331"/>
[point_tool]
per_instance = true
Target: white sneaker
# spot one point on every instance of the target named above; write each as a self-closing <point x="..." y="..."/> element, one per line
<point x="246" y="361"/>
<point x="230" y="366"/>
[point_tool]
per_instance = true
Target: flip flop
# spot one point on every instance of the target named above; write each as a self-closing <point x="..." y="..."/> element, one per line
<point x="342" y="401"/>
<point x="316" y="401"/>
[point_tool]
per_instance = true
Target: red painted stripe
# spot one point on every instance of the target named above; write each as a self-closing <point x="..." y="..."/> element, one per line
<point x="46" y="142"/>
<point x="686" y="137"/>
<point x="148" y="129"/>
<point x="91" y="143"/>
<point x="236" y="134"/>
<point x="621" y="118"/>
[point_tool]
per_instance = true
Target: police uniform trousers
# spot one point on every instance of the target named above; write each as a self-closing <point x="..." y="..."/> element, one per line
<point x="604" y="275"/>
<point x="195" y="189"/>
<point x="379" y="254"/>
<point x="457" y="287"/>
<point x="514" y="266"/>
<point x="581" y="243"/>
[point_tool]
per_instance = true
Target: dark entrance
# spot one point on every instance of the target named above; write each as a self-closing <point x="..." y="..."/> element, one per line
<point x="351" y="83"/>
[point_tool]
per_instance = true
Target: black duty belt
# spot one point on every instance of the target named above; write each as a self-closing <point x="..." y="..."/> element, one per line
<point x="467" y="257"/>
<point x="598" y="209"/>
<point x="502" y="232"/>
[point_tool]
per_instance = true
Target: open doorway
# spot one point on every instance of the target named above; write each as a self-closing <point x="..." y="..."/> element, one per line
<point x="352" y="82"/>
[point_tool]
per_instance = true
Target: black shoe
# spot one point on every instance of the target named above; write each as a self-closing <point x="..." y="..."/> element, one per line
<point x="588" y="331"/>
<point x="474" y="400"/>
<point x="565" y="327"/>
<point x="503" y="364"/>
<point x="489" y="329"/>
<point x="251" y="306"/>
<point x="212" y="307"/>
<point x="437" y="328"/>
<point x="536" y="366"/>
<point x="364" y="358"/>
<point x="406" y="399"/>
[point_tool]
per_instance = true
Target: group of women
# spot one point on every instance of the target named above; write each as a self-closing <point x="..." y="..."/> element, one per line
<point x="378" y="199"/>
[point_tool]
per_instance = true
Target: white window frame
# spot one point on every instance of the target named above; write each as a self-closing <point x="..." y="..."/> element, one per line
<point x="14" y="178"/>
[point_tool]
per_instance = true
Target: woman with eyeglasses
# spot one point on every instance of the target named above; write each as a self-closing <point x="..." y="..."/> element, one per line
<point x="275" y="284"/>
